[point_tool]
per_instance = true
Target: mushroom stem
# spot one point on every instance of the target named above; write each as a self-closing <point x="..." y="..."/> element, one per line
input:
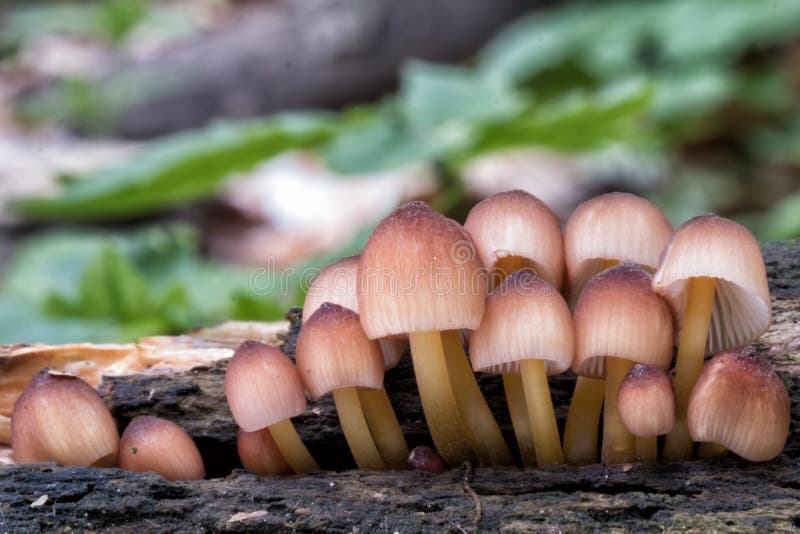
<point x="689" y="363"/>
<point x="292" y="447"/>
<point x="618" y="443"/>
<point x="583" y="421"/>
<point x="711" y="451"/>
<point x="355" y="429"/>
<point x="540" y="410"/>
<point x="384" y="426"/>
<point x="503" y="267"/>
<point x="438" y="402"/>
<point x="518" y="410"/>
<point x="647" y="449"/>
<point x="484" y="433"/>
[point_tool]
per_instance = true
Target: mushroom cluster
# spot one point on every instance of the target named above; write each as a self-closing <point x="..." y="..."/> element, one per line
<point x="508" y="293"/>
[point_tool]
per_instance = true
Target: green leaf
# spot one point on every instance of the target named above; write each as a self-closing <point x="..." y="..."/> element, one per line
<point x="178" y="169"/>
<point x="781" y="221"/>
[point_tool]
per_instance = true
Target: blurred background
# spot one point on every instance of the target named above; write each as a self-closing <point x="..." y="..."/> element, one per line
<point x="164" y="162"/>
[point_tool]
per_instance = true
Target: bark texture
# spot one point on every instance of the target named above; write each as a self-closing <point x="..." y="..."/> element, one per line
<point x="695" y="496"/>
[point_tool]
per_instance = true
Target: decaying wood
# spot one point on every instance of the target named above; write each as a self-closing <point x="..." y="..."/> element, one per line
<point x="695" y="496"/>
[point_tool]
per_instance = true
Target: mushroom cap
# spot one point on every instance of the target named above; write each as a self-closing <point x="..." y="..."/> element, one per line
<point x="646" y="402"/>
<point x="618" y="314"/>
<point x="336" y="283"/>
<point x="61" y="418"/>
<point x="739" y="402"/>
<point x="155" y="444"/>
<point x="260" y="454"/>
<point x="516" y="223"/>
<point x="525" y="318"/>
<point x="333" y="352"/>
<point x="419" y="272"/>
<point x="262" y="386"/>
<point x="719" y="248"/>
<point x="614" y="226"/>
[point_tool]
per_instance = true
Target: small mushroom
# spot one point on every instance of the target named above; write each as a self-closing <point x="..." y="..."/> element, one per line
<point x="646" y="407"/>
<point x="60" y="418"/>
<point x="601" y="233"/>
<point x="263" y="389"/>
<point x="335" y="355"/>
<point x="739" y="402"/>
<point x="155" y="444"/>
<point x="260" y="454"/>
<point x="419" y="275"/>
<point x="620" y="321"/>
<point x="506" y="343"/>
<point x="714" y="278"/>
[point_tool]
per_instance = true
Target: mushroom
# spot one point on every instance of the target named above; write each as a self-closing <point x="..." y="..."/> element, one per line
<point x="513" y="230"/>
<point x="740" y="403"/>
<point x="155" y="444"/>
<point x="335" y="355"/>
<point x="336" y="283"/>
<point x="61" y="418"/>
<point x="602" y="232"/>
<point x="419" y="275"/>
<point x="713" y="276"/>
<point x="260" y="454"/>
<point x="620" y="321"/>
<point x="527" y="330"/>
<point x="646" y="407"/>
<point x="263" y="389"/>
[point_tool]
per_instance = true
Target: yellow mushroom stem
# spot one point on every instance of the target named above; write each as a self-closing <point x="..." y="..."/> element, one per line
<point x="355" y="429"/>
<point x="711" y="451"/>
<point x="483" y="431"/>
<point x="583" y="421"/>
<point x="292" y="447"/>
<point x="504" y="267"/>
<point x="384" y="426"/>
<point x="518" y="410"/>
<point x="646" y="449"/>
<point x="438" y="402"/>
<point x="618" y="444"/>
<point x="546" y="442"/>
<point x="689" y="362"/>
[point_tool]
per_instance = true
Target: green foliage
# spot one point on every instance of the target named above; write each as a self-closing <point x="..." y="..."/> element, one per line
<point x="79" y="286"/>
<point x="178" y="169"/>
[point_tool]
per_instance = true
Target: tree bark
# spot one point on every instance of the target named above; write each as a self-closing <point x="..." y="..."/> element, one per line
<point x="731" y="494"/>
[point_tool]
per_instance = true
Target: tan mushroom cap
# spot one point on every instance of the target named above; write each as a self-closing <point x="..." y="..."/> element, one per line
<point x="618" y="314"/>
<point x="719" y="248"/>
<point x="262" y="386"/>
<point x="333" y="352"/>
<point x="741" y="403"/>
<point x="516" y="223"/>
<point x="614" y="226"/>
<point x="646" y="403"/>
<point x="336" y="283"/>
<point x="155" y="444"/>
<point x="419" y="272"/>
<point x="525" y="318"/>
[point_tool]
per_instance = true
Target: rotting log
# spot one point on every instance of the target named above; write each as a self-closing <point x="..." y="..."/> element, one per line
<point x="696" y="496"/>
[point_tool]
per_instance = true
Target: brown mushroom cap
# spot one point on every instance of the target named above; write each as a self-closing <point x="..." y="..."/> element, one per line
<point x="333" y="352"/>
<point x="262" y="386"/>
<point x="419" y="272"/>
<point x="615" y="226"/>
<point x="719" y="248"/>
<point x="336" y="283"/>
<point x="741" y="403"/>
<point x="516" y="223"/>
<point x="646" y="403"/>
<point x="619" y="315"/>
<point x="61" y="418"/>
<point x="155" y="444"/>
<point x="525" y="318"/>
<point x="260" y="454"/>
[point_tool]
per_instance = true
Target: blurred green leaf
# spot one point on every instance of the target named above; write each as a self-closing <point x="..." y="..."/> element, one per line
<point x="781" y="221"/>
<point x="178" y="169"/>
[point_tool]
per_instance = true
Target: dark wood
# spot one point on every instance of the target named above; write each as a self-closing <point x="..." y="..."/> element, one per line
<point x="696" y="496"/>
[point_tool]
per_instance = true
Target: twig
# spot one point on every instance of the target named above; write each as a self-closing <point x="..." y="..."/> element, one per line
<point x="474" y="496"/>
